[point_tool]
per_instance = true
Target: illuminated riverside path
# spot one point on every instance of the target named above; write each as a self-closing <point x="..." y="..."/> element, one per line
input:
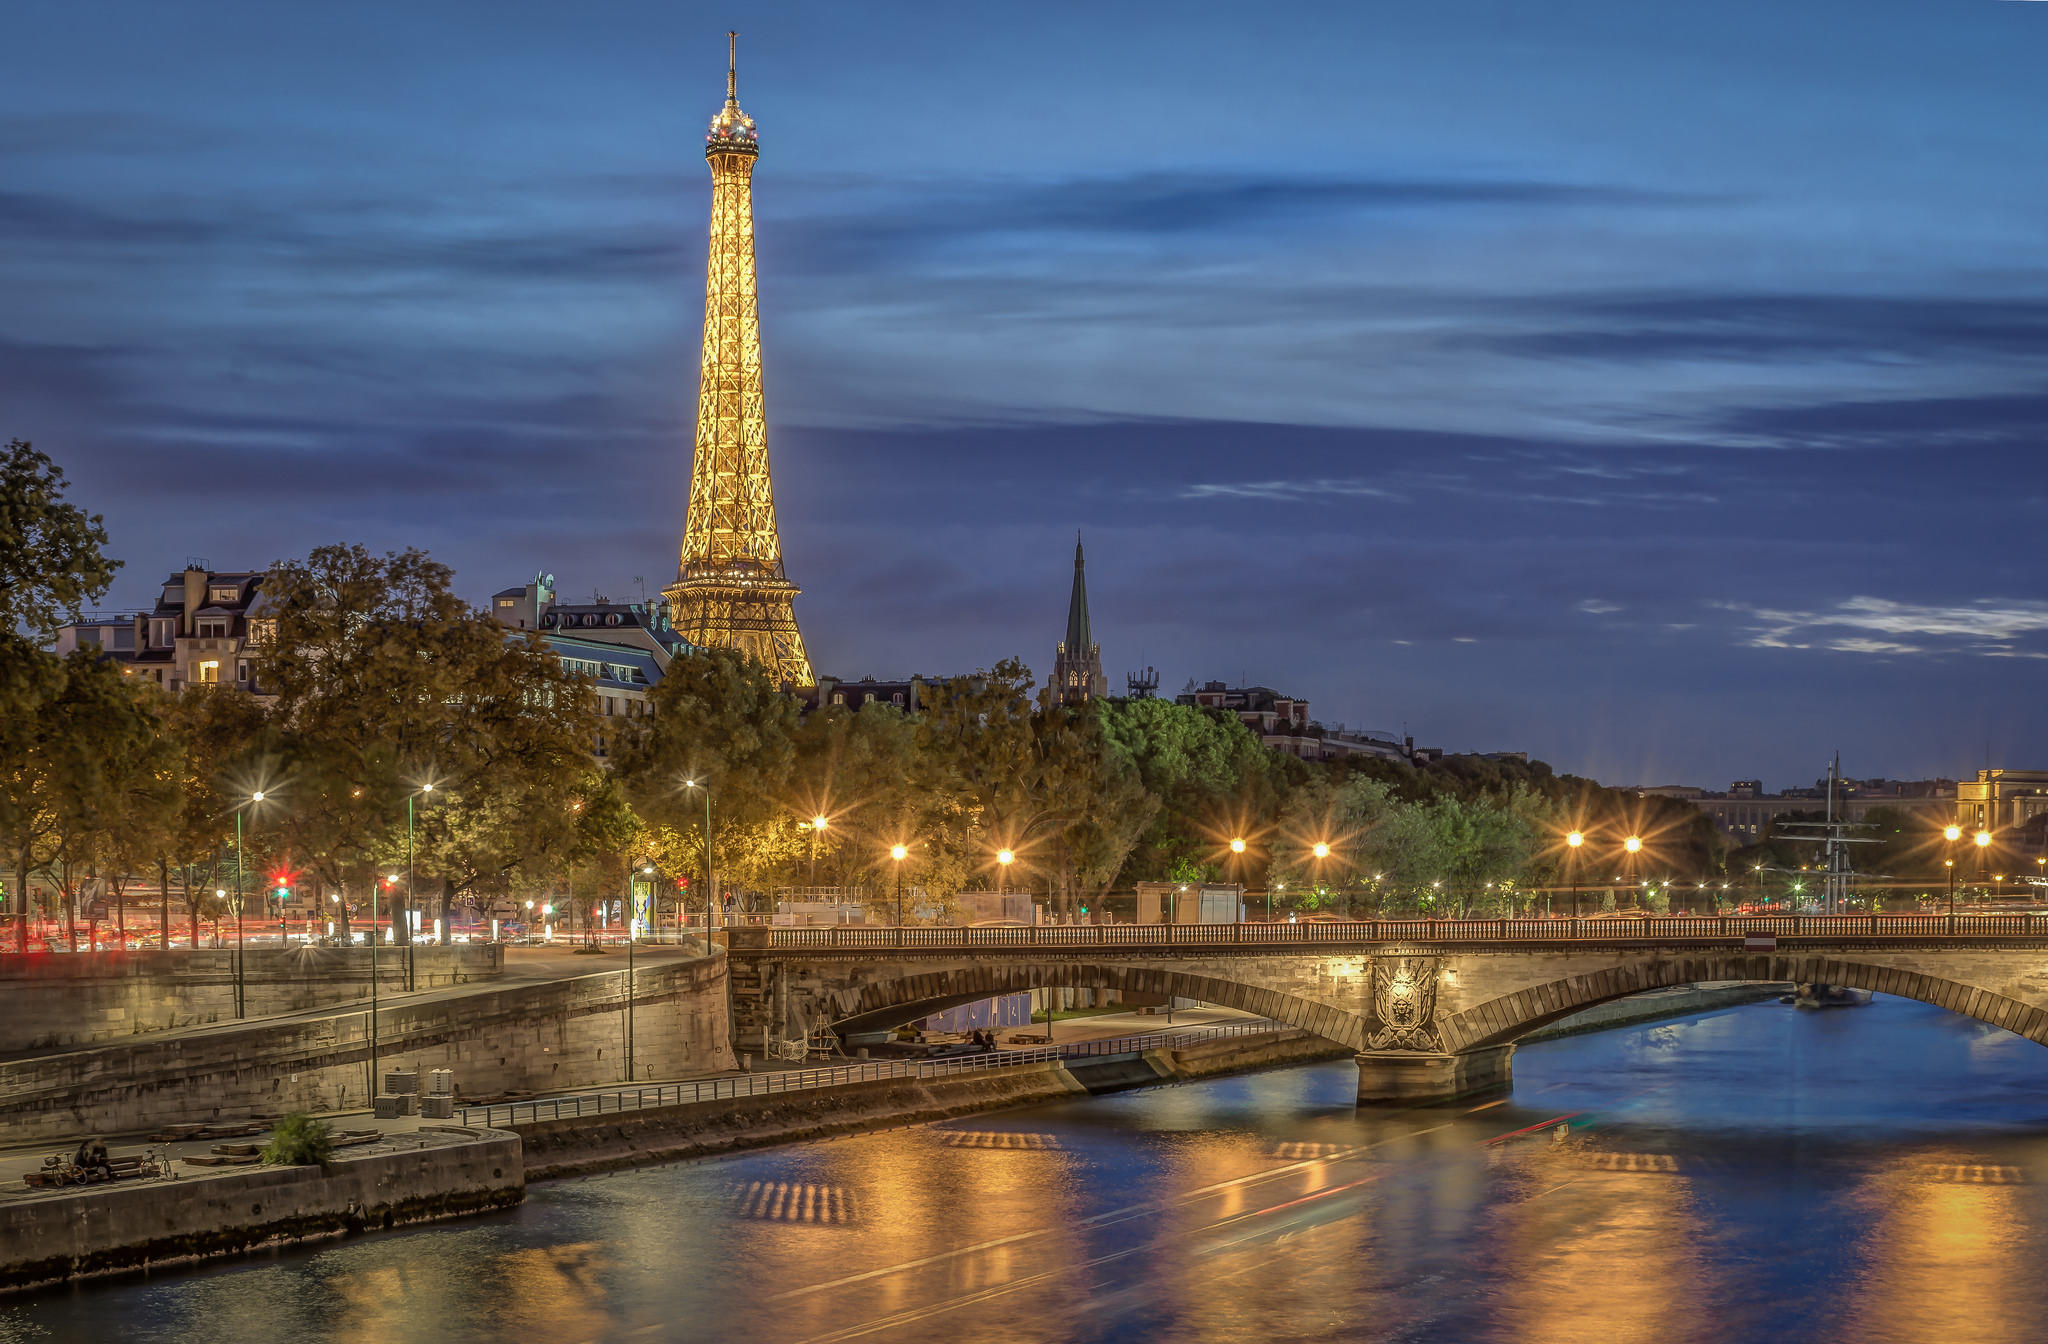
<point x="1432" y="1008"/>
<point x="1764" y="1173"/>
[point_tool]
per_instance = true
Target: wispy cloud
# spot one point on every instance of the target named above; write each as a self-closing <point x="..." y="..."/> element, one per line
<point x="1291" y="492"/>
<point x="1883" y="627"/>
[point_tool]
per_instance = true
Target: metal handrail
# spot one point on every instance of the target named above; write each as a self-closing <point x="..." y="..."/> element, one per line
<point x="804" y="1080"/>
<point x="1701" y="928"/>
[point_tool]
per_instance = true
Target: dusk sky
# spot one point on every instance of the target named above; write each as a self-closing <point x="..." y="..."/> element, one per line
<point x="1659" y="389"/>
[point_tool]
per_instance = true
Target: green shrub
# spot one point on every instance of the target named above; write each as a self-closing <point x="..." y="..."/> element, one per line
<point x="300" y="1141"/>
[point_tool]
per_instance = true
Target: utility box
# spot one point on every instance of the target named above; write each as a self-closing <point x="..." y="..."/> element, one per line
<point x="402" y="1081"/>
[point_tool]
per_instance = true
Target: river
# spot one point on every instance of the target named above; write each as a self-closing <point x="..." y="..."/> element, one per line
<point x="1761" y="1173"/>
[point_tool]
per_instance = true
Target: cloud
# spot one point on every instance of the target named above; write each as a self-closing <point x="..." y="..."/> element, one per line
<point x="1594" y="606"/>
<point x="1989" y="627"/>
<point x="1288" y="491"/>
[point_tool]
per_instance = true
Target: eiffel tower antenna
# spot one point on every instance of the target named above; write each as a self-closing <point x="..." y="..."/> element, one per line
<point x="731" y="591"/>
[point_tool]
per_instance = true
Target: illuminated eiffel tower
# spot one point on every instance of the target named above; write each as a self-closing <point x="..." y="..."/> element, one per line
<point x="730" y="590"/>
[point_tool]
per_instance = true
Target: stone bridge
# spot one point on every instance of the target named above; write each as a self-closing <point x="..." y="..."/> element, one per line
<point x="1432" y="1008"/>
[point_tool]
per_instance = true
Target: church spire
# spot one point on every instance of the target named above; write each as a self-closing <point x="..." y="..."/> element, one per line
<point x="1077" y="605"/>
<point x="1077" y="665"/>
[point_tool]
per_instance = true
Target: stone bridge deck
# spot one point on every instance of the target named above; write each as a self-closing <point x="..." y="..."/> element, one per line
<point x="1433" y="1007"/>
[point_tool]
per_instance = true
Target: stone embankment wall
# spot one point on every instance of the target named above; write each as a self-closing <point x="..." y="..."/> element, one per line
<point x="56" y="1000"/>
<point x="697" y="1129"/>
<point x="133" y="1224"/>
<point x="1656" y="1006"/>
<point x="667" y="1133"/>
<point x="561" y="1034"/>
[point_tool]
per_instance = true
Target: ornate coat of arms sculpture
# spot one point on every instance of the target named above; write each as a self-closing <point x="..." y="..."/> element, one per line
<point x="1404" y="1002"/>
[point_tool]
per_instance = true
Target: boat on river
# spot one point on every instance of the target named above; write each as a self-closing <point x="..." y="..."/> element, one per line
<point x="1827" y="996"/>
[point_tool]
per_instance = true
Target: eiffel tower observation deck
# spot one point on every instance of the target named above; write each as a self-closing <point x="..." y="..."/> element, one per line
<point x="731" y="591"/>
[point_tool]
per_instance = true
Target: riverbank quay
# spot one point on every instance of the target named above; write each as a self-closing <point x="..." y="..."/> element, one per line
<point x="66" y="1000"/>
<point x="544" y="1035"/>
<point x="423" y="1175"/>
<point x="569" y="1136"/>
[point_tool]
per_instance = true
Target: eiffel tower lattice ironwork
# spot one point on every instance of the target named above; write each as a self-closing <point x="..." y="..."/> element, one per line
<point x="730" y="589"/>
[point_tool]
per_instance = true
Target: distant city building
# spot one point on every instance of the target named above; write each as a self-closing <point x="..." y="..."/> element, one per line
<point x="1077" y="662"/>
<point x="1998" y="800"/>
<point x="624" y="648"/>
<point x="910" y="695"/>
<point x="1283" y="724"/>
<point x="1745" y="811"/>
<point x="201" y="632"/>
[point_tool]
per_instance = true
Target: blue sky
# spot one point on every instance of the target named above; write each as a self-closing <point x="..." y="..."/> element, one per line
<point x="1659" y="389"/>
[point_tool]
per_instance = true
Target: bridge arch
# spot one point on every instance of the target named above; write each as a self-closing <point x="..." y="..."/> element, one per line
<point x="1501" y="1020"/>
<point x="879" y="1004"/>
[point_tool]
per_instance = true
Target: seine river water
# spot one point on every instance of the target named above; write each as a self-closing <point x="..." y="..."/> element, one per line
<point x="1759" y="1174"/>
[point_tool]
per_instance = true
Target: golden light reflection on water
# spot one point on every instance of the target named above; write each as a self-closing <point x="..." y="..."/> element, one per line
<point x="552" y="1292"/>
<point x="1591" y="1254"/>
<point x="1948" y="1242"/>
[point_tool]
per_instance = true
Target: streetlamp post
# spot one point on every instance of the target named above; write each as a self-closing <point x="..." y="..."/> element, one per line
<point x="1571" y="862"/>
<point x="816" y="826"/>
<point x="1982" y="839"/>
<point x="710" y="882"/>
<point x="241" y="987"/>
<point x="411" y="967"/>
<point x="389" y="882"/>
<point x="1004" y="858"/>
<point x="899" y="853"/>
<point x="1951" y="834"/>
<point x="1634" y="846"/>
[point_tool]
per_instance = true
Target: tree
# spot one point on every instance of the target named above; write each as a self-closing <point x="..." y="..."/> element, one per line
<point x="221" y="741"/>
<point x="103" y="766"/>
<point x="718" y="722"/>
<point x="388" y="683"/>
<point x="1212" y="777"/>
<point x="52" y="562"/>
<point x="51" y="556"/>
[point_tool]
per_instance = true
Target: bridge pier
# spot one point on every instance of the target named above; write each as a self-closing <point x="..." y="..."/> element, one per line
<point x="1410" y="1077"/>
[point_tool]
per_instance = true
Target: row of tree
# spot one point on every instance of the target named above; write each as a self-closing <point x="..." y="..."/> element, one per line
<point x="400" y="726"/>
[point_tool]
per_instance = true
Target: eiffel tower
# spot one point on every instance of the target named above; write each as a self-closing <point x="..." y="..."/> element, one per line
<point x="730" y="590"/>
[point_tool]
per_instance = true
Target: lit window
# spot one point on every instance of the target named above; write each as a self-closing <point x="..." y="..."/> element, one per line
<point x="209" y="673"/>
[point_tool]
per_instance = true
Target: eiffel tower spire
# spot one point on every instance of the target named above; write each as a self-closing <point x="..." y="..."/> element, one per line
<point x="730" y="589"/>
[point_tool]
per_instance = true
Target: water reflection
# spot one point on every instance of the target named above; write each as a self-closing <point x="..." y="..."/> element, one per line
<point x="1761" y="1173"/>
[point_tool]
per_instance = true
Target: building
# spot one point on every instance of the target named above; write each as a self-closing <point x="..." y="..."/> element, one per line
<point x="731" y="591"/>
<point x="1745" y="811"/>
<point x="910" y="695"/>
<point x="1283" y="724"/>
<point x="201" y="632"/>
<point x="2001" y="800"/>
<point x="624" y="648"/>
<point x="1077" y="660"/>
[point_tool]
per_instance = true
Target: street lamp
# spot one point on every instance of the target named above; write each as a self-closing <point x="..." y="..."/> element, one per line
<point x="1572" y="843"/>
<point x="710" y="882"/>
<point x="241" y="989"/>
<point x="1005" y="858"/>
<point x="899" y="853"/>
<point x="411" y="975"/>
<point x="1634" y="846"/>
